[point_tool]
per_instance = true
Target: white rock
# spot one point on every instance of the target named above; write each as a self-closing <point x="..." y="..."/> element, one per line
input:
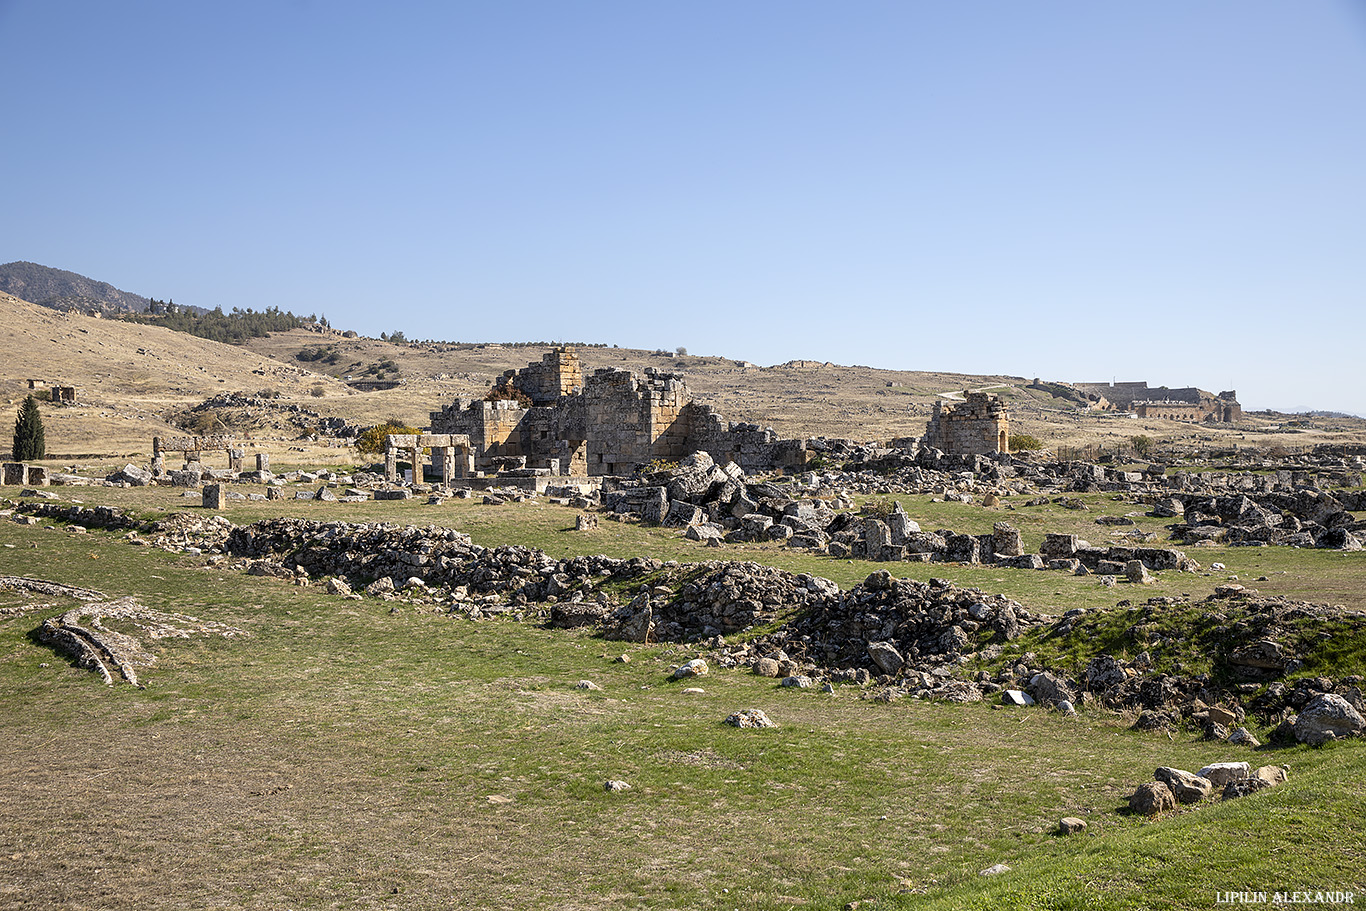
<point x="694" y="668"/>
<point x="750" y="718"/>
<point x="1221" y="773"/>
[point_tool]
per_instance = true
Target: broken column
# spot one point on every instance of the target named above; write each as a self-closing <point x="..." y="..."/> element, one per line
<point x="215" y="496"/>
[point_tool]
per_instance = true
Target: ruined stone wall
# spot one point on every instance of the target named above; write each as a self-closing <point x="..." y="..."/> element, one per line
<point x="1171" y="411"/>
<point x="1186" y="403"/>
<point x="1121" y="395"/>
<point x="630" y="421"/>
<point x="1199" y="412"/>
<point x="978" y="426"/>
<point x="610" y="424"/>
<point x="494" y="428"/>
<point x="747" y="445"/>
<point x="1192" y="404"/>
<point x="559" y="374"/>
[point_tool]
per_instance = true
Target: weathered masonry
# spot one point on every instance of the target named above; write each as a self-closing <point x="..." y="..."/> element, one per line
<point x="1220" y="409"/>
<point x="451" y="456"/>
<point x="978" y="426"/>
<point x="55" y="392"/>
<point x="193" y="449"/>
<point x="549" y="416"/>
<point x="1184" y="404"/>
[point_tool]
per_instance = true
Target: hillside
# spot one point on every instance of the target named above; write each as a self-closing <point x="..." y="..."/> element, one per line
<point x="58" y="289"/>
<point x="130" y="379"/>
<point x="135" y="381"/>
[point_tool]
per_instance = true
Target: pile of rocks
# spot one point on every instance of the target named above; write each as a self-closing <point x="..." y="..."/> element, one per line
<point x="84" y="516"/>
<point x="715" y="504"/>
<point x="907" y="634"/>
<point x="1304" y="518"/>
<point x="1172" y="786"/>
<point x="711" y="599"/>
<point x="697" y="492"/>
<point x="912" y="637"/>
<point x="247" y="409"/>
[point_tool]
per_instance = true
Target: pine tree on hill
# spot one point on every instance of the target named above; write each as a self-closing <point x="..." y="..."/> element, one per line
<point x="28" y="433"/>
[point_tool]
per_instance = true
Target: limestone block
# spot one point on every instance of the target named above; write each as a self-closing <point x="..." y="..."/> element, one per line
<point x="15" y="474"/>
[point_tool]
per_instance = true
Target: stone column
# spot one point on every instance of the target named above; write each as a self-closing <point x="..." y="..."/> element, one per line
<point x="445" y="455"/>
<point x="215" y="496"/>
<point x="262" y="461"/>
<point x="390" y="464"/>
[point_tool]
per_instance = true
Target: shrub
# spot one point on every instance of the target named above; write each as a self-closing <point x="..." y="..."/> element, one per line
<point x="655" y="465"/>
<point x="1142" y="445"/>
<point x="880" y="509"/>
<point x="501" y="393"/>
<point x="372" y="440"/>
<point x="317" y="391"/>
<point x="29" y="442"/>
<point x="203" y="423"/>
<point x="1024" y="442"/>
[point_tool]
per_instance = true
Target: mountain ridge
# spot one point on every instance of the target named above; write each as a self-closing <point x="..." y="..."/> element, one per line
<point x="60" y="289"/>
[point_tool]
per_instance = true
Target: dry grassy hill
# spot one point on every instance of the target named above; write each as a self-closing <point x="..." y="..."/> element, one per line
<point x="130" y="379"/>
<point x="136" y="381"/>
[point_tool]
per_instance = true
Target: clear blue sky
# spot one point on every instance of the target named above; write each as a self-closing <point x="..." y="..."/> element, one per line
<point x="1171" y="190"/>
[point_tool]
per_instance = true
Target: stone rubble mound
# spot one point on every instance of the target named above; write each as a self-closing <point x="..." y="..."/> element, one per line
<point x="715" y="598"/>
<point x="890" y="627"/>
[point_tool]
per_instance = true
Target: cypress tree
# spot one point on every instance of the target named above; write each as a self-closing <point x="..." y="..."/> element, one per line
<point x="28" y="433"/>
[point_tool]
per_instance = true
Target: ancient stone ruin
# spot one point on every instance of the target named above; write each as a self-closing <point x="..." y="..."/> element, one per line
<point x="193" y="449"/>
<point x="64" y="395"/>
<point x="548" y="417"/>
<point x="451" y="457"/>
<point x="978" y="426"/>
<point x="1184" y="404"/>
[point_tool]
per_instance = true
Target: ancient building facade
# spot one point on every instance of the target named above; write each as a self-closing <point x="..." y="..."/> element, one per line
<point x="1184" y="404"/>
<point x="978" y="426"/>
<point x="610" y="423"/>
<point x="1205" y="408"/>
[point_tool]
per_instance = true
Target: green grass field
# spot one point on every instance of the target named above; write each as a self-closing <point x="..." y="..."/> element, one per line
<point x="374" y="754"/>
